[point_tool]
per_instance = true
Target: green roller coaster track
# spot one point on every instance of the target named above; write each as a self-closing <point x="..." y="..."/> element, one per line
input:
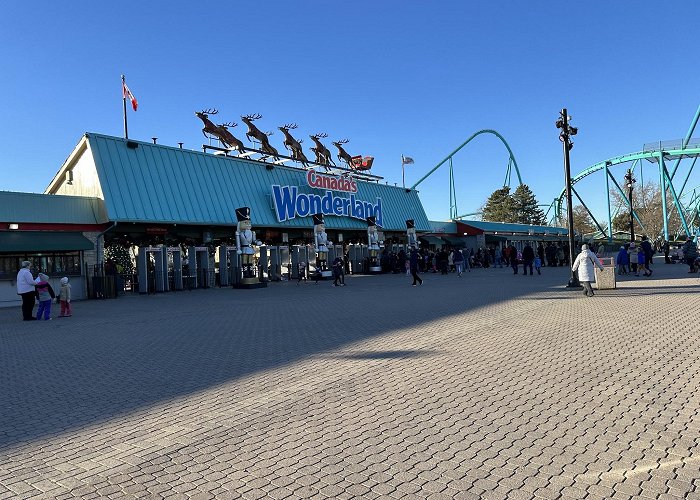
<point x="453" y="195"/>
<point x="658" y="153"/>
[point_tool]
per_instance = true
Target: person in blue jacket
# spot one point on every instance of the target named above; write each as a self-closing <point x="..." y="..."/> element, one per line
<point x="622" y="261"/>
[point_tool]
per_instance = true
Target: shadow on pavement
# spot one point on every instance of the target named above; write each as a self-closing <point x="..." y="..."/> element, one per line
<point x="386" y="354"/>
<point x="118" y="356"/>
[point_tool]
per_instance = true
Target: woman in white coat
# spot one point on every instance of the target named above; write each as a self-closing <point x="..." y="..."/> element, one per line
<point x="584" y="264"/>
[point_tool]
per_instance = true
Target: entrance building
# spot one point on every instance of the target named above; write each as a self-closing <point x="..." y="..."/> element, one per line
<point x="113" y="192"/>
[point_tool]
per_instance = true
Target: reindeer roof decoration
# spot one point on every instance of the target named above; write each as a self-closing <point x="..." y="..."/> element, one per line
<point x="292" y="144"/>
<point x="354" y="162"/>
<point x="219" y="132"/>
<point x="323" y="155"/>
<point x="258" y="134"/>
<point x="254" y="134"/>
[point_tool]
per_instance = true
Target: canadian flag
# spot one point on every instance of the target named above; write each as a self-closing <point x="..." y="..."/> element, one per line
<point x="128" y="95"/>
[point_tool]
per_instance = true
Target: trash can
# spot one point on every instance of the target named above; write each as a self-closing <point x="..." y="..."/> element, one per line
<point x="605" y="279"/>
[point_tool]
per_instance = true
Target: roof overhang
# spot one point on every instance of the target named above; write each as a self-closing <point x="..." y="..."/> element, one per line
<point x="43" y="241"/>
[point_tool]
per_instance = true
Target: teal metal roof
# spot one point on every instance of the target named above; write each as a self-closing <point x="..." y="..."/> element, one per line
<point x="51" y="209"/>
<point x="507" y="227"/>
<point x="156" y="183"/>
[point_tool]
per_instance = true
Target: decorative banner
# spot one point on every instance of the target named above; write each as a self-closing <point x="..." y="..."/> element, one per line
<point x="290" y="203"/>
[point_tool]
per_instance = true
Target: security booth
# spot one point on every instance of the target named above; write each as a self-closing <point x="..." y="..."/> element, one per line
<point x="275" y="267"/>
<point x="312" y="261"/>
<point x="357" y="253"/>
<point x="336" y="251"/>
<point x="200" y="268"/>
<point x="300" y="261"/>
<point x="263" y="268"/>
<point x="150" y="264"/>
<point x="173" y="268"/>
<point x="285" y="262"/>
<point x="228" y="264"/>
<point x="331" y="255"/>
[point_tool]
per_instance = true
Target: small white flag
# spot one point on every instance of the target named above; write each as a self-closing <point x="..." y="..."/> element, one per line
<point x="405" y="160"/>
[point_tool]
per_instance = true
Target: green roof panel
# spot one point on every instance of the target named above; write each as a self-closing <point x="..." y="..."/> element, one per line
<point x="50" y="209"/>
<point x="156" y="183"/>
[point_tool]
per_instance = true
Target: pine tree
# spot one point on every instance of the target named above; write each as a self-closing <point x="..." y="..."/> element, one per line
<point x="120" y="255"/>
<point x="526" y="210"/>
<point x="499" y="207"/>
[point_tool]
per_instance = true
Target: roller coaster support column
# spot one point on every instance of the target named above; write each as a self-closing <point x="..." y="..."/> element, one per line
<point x="662" y="185"/>
<point x="607" y="190"/>
<point x="564" y="136"/>
<point x="629" y="182"/>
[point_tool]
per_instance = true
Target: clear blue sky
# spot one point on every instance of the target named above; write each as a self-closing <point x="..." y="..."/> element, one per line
<point x="394" y="77"/>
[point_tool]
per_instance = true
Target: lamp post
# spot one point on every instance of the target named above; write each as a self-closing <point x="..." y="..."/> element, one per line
<point x="629" y="182"/>
<point x="565" y="137"/>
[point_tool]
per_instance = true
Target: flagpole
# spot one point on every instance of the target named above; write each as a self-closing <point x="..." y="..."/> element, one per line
<point x="126" y="128"/>
<point x="403" y="173"/>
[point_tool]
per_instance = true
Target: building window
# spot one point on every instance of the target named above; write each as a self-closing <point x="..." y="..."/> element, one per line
<point x="56" y="264"/>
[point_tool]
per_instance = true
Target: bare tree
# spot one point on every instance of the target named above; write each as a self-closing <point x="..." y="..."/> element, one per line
<point x="646" y="201"/>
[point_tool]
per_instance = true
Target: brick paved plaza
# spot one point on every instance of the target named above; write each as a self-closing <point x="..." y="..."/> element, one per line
<point x="488" y="386"/>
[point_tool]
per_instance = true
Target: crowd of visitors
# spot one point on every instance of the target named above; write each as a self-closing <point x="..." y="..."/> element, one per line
<point x="455" y="260"/>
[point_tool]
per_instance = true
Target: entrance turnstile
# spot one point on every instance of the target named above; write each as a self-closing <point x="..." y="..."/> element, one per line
<point x="150" y="264"/>
<point x="173" y="268"/>
<point x="285" y="262"/>
<point x="264" y="263"/>
<point x="357" y="254"/>
<point x="201" y="272"/>
<point x="300" y="261"/>
<point x="279" y="263"/>
<point x="229" y="266"/>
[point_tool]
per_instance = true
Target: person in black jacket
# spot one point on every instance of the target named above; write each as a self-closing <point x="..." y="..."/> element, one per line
<point x="414" y="267"/>
<point x="528" y="258"/>
<point x="648" y="254"/>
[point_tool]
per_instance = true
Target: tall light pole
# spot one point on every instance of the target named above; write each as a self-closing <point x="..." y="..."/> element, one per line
<point x="565" y="137"/>
<point x="629" y="182"/>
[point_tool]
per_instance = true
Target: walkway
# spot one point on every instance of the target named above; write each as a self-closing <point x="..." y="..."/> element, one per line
<point x="488" y="386"/>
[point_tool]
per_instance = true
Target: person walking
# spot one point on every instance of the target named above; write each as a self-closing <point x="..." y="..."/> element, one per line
<point x="513" y="252"/>
<point x="65" y="298"/>
<point x="414" y="267"/>
<point x="641" y="262"/>
<point x="466" y="263"/>
<point x="458" y="260"/>
<point x="634" y="258"/>
<point x="301" y="272"/>
<point x="667" y="249"/>
<point x="648" y="255"/>
<point x="338" y="278"/>
<point x="559" y="259"/>
<point x="528" y="259"/>
<point x="622" y="261"/>
<point x="45" y="294"/>
<point x="538" y="264"/>
<point x="585" y="264"/>
<point x="27" y="290"/>
<point x="690" y="253"/>
<point x="498" y="257"/>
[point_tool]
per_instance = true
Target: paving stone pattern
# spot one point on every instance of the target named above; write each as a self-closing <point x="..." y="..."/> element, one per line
<point x="486" y="386"/>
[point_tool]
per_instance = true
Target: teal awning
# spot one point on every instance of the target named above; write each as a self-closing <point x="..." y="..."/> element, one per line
<point x="432" y="240"/>
<point x="493" y="238"/>
<point x="43" y="241"/>
<point x="455" y="241"/>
